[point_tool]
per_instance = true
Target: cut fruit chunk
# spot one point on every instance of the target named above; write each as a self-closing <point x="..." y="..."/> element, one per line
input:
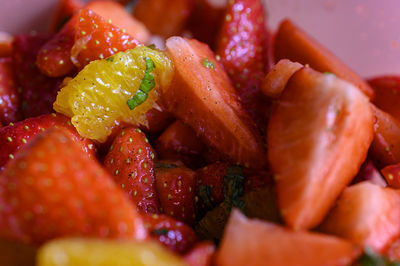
<point x="294" y="44"/>
<point x="318" y="136"/>
<point x="96" y="99"/>
<point x="82" y="252"/>
<point x="387" y="94"/>
<point x="254" y="242"/>
<point x="204" y="99"/>
<point x="366" y="214"/>
<point x="392" y="175"/>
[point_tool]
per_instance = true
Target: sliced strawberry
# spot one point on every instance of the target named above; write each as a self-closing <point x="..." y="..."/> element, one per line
<point x="275" y="81"/>
<point x="385" y="148"/>
<point x="255" y="242"/>
<point x="95" y="38"/>
<point x="5" y="44"/>
<point x="168" y="17"/>
<point x="65" y="10"/>
<point x="157" y="120"/>
<point x="242" y="46"/>
<point x="15" y="136"/>
<point x="210" y="186"/>
<point x="54" y="57"/>
<point x="131" y="162"/>
<point x="9" y="98"/>
<point x="207" y="102"/>
<point x="38" y="92"/>
<point x="392" y="175"/>
<point x="175" y="189"/>
<point x="206" y="20"/>
<point x="368" y="172"/>
<point x="53" y="190"/>
<point x="120" y="18"/>
<point x="318" y="137"/>
<point x="294" y="44"/>
<point x="175" y="235"/>
<point x="366" y="214"/>
<point x="201" y="254"/>
<point x="179" y="142"/>
<point x="387" y="94"/>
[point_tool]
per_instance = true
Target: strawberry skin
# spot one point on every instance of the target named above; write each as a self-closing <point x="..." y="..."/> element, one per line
<point x="175" y="189"/>
<point x="131" y="162"/>
<point x="242" y="46"/>
<point x="173" y="234"/>
<point x="38" y="92"/>
<point x="54" y="190"/>
<point x="15" y="136"/>
<point x="9" y="98"/>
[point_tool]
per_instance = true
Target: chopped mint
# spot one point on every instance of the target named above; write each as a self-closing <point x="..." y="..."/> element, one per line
<point x="161" y="231"/>
<point x="208" y="64"/>
<point x="234" y="187"/>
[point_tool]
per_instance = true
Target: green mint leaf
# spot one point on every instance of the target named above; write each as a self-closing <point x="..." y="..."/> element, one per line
<point x="208" y="64"/>
<point x="161" y="231"/>
<point x="370" y="258"/>
<point x="234" y="187"/>
<point x="152" y="46"/>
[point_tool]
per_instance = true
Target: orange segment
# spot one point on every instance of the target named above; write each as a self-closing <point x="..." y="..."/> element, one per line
<point x="318" y="136"/>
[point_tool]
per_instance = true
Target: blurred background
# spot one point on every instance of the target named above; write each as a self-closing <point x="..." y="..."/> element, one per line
<point x="365" y="34"/>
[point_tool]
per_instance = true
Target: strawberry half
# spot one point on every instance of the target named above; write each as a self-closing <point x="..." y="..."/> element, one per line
<point x="208" y="104"/>
<point x="15" y="136"/>
<point x="366" y="214"/>
<point x="38" y="92"/>
<point x="54" y="190"/>
<point x="131" y="162"/>
<point x="96" y="38"/>
<point x="318" y="137"/>
<point x="256" y="242"/>
<point x="175" y="188"/>
<point x="9" y="98"/>
<point x="173" y="234"/>
<point x="242" y="46"/>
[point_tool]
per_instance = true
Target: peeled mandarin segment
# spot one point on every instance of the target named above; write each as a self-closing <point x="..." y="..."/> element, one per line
<point x="293" y="43"/>
<point x="318" y="136"/>
<point x="255" y="242"/>
<point x="367" y="215"/>
<point x="82" y="252"/>
<point x="96" y="99"/>
<point x="275" y="81"/>
<point x="202" y="96"/>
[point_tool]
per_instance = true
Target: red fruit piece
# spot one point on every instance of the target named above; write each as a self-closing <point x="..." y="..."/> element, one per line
<point x="366" y="214"/>
<point x="255" y="242"/>
<point x="387" y="94"/>
<point x="210" y="186"/>
<point x="200" y="255"/>
<point x="54" y="57"/>
<point x="96" y="38"/>
<point x="65" y="10"/>
<point x="293" y="43"/>
<point x="5" y="44"/>
<point x="53" y="190"/>
<point x="175" y="189"/>
<point x="131" y="162"/>
<point x="242" y="46"/>
<point x="207" y="103"/>
<point x="15" y="136"/>
<point x="385" y="148"/>
<point x="168" y="17"/>
<point x="393" y="252"/>
<point x="38" y="92"/>
<point x="206" y="20"/>
<point x="121" y="18"/>
<point x="392" y="175"/>
<point x="368" y="172"/>
<point x="179" y="142"/>
<point x="175" y="235"/>
<point x="9" y="98"/>
<point x="157" y="120"/>
<point x="318" y="137"/>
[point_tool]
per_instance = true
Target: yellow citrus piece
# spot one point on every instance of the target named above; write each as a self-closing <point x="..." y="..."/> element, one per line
<point x="96" y="99"/>
<point x="96" y="252"/>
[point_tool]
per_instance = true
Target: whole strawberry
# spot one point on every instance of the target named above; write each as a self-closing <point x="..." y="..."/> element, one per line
<point x="173" y="234"/>
<point x="242" y="46"/>
<point x="175" y="188"/>
<point x="54" y="190"/>
<point x="131" y="162"/>
<point x="9" y="98"/>
<point x="14" y="136"/>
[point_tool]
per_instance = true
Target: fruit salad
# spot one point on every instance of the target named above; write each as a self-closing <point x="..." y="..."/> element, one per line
<point x="186" y="132"/>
